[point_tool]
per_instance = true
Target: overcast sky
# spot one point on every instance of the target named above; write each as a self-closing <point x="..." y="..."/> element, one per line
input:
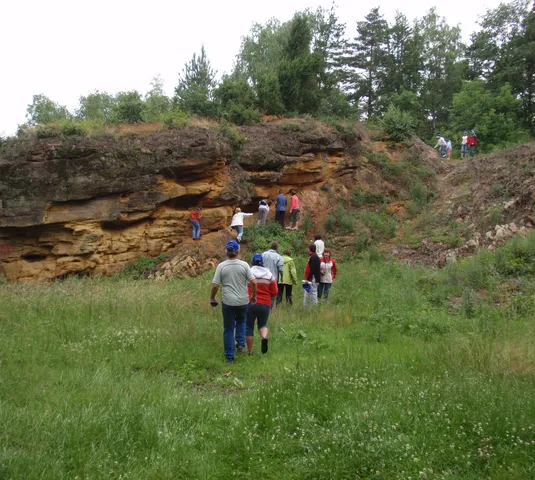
<point x="68" y="48"/>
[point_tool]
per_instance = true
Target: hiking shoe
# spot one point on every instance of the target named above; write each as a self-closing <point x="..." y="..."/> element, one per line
<point x="241" y="348"/>
<point x="230" y="361"/>
<point x="264" y="345"/>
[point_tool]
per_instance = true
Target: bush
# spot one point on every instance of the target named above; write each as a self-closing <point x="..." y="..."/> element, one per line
<point x="307" y="222"/>
<point x="291" y="127"/>
<point x="142" y="267"/>
<point x="234" y="138"/>
<point x="347" y="224"/>
<point x="329" y="223"/>
<point x="359" y="198"/>
<point x="175" y="119"/>
<point x="397" y="124"/>
<point x="259" y="238"/>
<point x="381" y="225"/>
<point x="70" y="128"/>
<point x="48" y="131"/>
<point x="419" y="193"/>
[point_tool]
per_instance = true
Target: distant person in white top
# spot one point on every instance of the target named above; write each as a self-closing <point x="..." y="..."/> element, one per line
<point x="464" y="144"/>
<point x="320" y="246"/>
<point x="237" y="222"/>
<point x="449" y="148"/>
<point x="263" y="211"/>
<point x="441" y="144"/>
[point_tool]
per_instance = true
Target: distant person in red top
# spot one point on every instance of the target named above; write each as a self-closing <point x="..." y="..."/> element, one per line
<point x="328" y="274"/>
<point x="472" y="143"/>
<point x="266" y="291"/>
<point x="195" y="216"/>
<point x="295" y="211"/>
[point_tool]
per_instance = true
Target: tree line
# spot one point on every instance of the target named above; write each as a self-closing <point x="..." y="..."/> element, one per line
<point x="416" y="75"/>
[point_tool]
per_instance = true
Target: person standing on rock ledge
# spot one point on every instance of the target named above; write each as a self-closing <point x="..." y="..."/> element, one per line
<point x="237" y="222"/>
<point x="280" y="208"/>
<point x="294" y="212"/>
<point x="195" y="216"/>
<point x="233" y="275"/>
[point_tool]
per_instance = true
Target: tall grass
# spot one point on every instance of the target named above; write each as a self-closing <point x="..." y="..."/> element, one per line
<point x="393" y="378"/>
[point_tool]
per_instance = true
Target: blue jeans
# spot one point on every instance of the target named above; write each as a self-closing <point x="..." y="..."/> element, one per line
<point x="257" y="312"/>
<point x="196" y="227"/>
<point x="233" y="328"/>
<point x="239" y="229"/>
<point x="442" y="149"/>
<point x="323" y="290"/>
<point x="472" y="150"/>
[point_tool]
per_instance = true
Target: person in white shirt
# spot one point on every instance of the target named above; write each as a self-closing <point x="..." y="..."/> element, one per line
<point x="441" y="143"/>
<point x="464" y="144"/>
<point x="263" y="210"/>
<point x="237" y="222"/>
<point x="320" y="246"/>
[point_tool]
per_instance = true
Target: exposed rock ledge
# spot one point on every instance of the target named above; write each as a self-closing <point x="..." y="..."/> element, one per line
<point x="93" y="204"/>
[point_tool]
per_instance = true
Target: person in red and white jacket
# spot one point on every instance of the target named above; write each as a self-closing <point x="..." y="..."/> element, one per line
<point x="328" y="274"/>
<point x="266" y="291"/>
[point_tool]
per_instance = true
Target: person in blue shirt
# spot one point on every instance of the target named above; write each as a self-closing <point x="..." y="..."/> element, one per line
<point x="280" y="207"/>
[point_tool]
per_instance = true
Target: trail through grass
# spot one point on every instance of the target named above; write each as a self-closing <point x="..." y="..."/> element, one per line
<point x="406" y="373"/>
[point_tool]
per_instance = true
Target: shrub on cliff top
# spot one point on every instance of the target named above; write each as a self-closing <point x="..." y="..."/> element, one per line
<point x="399" y="125"/>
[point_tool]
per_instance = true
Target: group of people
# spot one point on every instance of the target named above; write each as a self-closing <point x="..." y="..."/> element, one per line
<point x="468" y="142"/>
<point x="236" y="224"/>
<point x="249" y="293"/>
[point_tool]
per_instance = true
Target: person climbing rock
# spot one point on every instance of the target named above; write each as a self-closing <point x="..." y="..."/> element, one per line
<point x="441" y="144"/>
<point x="266" y="287"/>
<point x="237" y="222"/>
<point x="233" y="276"/>
<point x="195" y="216"/>
<point x="263" y="211"/>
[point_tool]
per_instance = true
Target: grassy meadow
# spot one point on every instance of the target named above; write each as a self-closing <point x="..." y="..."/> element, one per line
<point x="407" y="373"/>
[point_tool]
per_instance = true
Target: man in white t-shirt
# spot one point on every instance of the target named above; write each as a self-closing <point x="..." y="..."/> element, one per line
<point x="232" y="275"/>
<point x="320" y="246"/>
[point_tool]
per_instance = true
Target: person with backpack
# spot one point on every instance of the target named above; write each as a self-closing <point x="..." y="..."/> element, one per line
<point x="328" y="274"/>
<point x="195" y="216"/>
<point x="289" y="278"/>
<point x="239" y="289"/>
<point x="472" y="143"/>
<point x="258" y="311"/>
<point x="441" y="144"/>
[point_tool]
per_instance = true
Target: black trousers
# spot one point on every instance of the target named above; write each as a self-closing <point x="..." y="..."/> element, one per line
<point x="279" y="217"/>
<point x="288" y="288"/>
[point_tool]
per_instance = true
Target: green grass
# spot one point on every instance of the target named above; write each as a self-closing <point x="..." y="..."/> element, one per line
<point x="406" y="373"/>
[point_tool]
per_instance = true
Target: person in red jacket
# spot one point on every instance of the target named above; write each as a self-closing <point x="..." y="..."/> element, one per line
<point x="472" y="143"/>
<point x="195" y="216"/>
<point x="328" y="274"/>
<point x="266" y="291"/>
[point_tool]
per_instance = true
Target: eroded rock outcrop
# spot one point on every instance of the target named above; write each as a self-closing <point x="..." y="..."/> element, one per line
<point x="93" y="204"/>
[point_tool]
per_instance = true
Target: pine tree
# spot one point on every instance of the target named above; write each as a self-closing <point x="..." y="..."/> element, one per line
<point x="367" y="59"/>
<point x="194" y="92"/>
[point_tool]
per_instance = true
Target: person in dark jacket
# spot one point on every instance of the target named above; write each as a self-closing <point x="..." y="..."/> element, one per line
<point x="312" y="277"/>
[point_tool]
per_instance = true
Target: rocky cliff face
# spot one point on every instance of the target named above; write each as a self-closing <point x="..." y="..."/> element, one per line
<point x="93" y="204"/>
